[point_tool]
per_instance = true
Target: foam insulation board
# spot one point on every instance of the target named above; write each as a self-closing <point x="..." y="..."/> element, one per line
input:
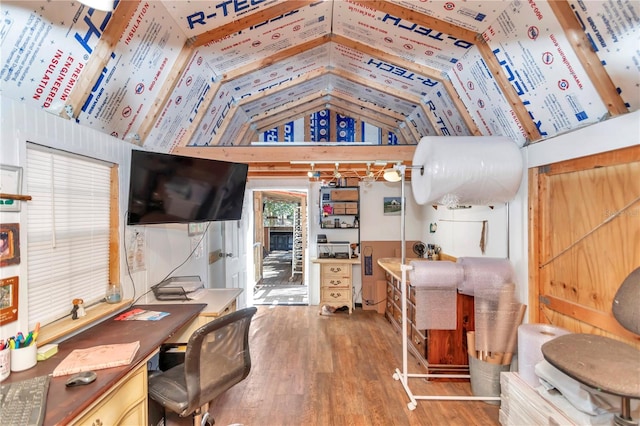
<point x="397" y="36"/>
<point x="530" y="45"/>
<point x="196" y="17"/>
<point x="180" y="110"/>
<point x="472" y="15"/>
<point x="484" y="99"/>
<point x="263" y="40"/>
<point x="135" y="73"/>
<point x="609" y="26"/>
<point x="42" y="61"/>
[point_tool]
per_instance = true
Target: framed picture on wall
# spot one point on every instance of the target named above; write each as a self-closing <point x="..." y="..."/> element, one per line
<point x="10" y="183"/>
<point x="8" y="300"/>
<point x="392" y="206"/>
<point x="9" y="244"/>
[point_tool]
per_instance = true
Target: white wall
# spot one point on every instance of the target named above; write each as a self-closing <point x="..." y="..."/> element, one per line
<point x="166" y="246"/>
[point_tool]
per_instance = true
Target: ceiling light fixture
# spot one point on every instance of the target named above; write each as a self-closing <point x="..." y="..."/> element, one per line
<point x="104" y="5"/>
<point x="393" y="174"/>
<point x="369" y="173"/>
<point x="336" y="173"/>
<point x="313" y="173"/>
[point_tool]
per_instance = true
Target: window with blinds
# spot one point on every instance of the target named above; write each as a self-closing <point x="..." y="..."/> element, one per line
<point x="67" y="233"/>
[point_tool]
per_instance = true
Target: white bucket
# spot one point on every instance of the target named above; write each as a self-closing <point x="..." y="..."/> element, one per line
<point x="24" y="358"/>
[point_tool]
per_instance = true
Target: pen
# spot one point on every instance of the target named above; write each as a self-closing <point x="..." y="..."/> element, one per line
<point x="29" y="339"/>
<point x="36" y="331"/>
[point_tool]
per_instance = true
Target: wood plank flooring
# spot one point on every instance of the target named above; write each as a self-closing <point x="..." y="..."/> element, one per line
<point x="337" y="370"/>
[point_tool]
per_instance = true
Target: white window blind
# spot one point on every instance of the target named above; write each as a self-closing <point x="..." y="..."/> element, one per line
<point x="67" y="232"/>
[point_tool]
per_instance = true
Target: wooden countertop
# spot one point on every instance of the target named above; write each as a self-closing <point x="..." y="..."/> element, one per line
<point x="351" y="261"/>
<point x="392" y="264"/>
<point x="217" y="300"/>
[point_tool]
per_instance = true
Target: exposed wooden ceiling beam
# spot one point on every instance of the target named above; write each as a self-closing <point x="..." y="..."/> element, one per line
<point x="276" y="162"/>
<point x="317" y="153"/>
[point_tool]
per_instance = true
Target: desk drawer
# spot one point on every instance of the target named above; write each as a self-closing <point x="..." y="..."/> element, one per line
<point x="126" y="403"/>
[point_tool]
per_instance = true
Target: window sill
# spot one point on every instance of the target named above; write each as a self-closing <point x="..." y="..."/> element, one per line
<point x="60" y="329"/>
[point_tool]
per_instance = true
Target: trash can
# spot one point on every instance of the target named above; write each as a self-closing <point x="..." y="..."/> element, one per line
<point x="485" y="378"/>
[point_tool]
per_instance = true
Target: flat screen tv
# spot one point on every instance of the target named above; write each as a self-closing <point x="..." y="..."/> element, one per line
<point x="166" y="188"/>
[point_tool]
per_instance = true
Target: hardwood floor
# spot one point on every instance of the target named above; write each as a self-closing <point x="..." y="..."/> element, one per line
<point x="310" y="369"/>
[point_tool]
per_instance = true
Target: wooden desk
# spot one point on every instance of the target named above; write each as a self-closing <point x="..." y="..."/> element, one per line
<point x="218" y="301"/>
<point x="71" y="405"/>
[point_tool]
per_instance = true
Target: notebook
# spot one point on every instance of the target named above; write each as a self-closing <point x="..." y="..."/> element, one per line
<point x="97" y="358"/>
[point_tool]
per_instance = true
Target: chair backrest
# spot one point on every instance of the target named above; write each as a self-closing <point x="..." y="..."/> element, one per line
<point x="217" y="357"/>
<point x="626" y="302"/>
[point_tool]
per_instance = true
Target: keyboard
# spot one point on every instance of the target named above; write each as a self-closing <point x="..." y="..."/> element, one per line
<point x="23" y="403"/>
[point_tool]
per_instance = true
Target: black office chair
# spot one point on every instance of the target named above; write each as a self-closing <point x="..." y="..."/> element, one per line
<point x="216" y="359"/>
<point x="603" y="363"/>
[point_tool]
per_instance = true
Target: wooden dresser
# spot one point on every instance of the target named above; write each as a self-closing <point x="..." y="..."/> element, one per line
<point x="336" y="282"/>
<point x="438" y="350"/>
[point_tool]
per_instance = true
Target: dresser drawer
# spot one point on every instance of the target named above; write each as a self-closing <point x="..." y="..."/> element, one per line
<point x="336" y="270"/>
<point x="336" y="282"/>
<point x="331" y="295"/>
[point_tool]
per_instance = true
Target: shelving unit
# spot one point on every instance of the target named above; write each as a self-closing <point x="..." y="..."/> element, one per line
<point x="340" y="217"/>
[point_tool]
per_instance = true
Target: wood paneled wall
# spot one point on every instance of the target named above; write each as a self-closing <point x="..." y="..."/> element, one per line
<point x="584" y="239"/>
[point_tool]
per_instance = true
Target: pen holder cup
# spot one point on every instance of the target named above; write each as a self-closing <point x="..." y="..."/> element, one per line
<point x="5" y="363"/>
<point x="24" y="358"/>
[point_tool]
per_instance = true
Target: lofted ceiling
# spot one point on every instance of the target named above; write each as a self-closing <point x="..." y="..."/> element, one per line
<point x="238" y="80"/>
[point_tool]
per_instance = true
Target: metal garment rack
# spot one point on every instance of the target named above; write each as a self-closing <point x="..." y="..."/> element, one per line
<point x="403" y="374"/>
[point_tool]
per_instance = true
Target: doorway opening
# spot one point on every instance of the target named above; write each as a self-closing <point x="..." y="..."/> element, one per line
<point x="280" y="242"/>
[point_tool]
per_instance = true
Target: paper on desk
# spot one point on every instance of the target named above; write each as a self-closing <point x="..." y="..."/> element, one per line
<point x="97" y="358"/>
<point x="141" y="315"/>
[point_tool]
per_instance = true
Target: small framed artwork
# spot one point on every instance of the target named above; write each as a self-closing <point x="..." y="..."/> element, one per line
<point x="10" y="183"/>
<point x="8" y="299"/>
<point x="9" y="244"/>
<point x="392" y="206"/>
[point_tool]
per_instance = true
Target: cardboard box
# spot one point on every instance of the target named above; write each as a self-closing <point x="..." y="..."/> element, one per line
<point x="340" y="205"/>
<point x="344" y="195"/>
<point x="351" y="211"/>
<point x="339" y="211"/>
<point x="352" y="181"/>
